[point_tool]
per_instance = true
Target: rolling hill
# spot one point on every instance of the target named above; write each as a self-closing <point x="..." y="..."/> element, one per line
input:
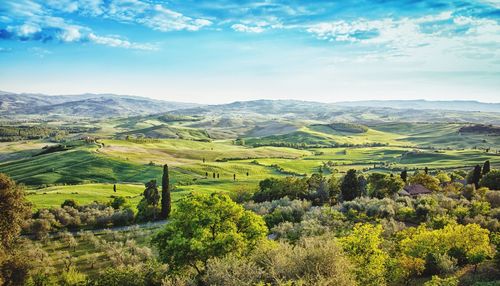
<point x="458" y="105"/>
<point x="84" y="105"/>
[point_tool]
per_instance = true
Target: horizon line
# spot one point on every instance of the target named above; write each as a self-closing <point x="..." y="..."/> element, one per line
<point x="250" y="100"/>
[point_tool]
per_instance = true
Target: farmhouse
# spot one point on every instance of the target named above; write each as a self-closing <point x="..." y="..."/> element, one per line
<point x="414" y="190"/>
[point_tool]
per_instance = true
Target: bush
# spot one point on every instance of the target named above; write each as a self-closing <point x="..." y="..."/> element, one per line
<point x="493" y="197"/>
<point x="491" y="180"/>
<point x="73" y="277"/>
<point x="92" y="215"/>
<point x="436" y="281"/>
<point x="69" y="203"/>
<point x="232" y="271"/>
<point x="313" y="261"/>
<point x="118" y="202"/>
<point x="436" y="263"/>
<point x="120" y="276"/>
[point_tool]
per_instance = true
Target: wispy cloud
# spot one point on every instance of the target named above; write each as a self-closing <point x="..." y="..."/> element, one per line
<point x="396" y="28"/>
<point x="27" y="20"/>
<point x="437" y="34"/>
<point x="116" y="42"/>
<point x="163" y="19"/>
<point x="247" y="29"/>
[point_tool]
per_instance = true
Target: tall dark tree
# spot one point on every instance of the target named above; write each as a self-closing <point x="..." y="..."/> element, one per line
<point x="404" y="175"/>
<point x="486" y="167"/>
<point x="166" y="201"/>
<point x="474" y="176"/>
<point x="362" y="185"/>
<point x="350" y="186"/>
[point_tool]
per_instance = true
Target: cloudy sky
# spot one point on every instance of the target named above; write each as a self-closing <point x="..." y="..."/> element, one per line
<point x="220" y="51"/>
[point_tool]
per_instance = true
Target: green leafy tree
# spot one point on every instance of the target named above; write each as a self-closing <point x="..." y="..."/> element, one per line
<point x="333" y="184"/>
<point x="166" y="201"/>
<point x="491" y="180"/>
<point x="206" y="226"/>
<point x="148" y="206"/>
<point x="425" y="180"/>
<point x="350" y="186"/>
<point x="14" y="211"/>
<point x="118" y="203"/>
<point x="464" y="243"/>
<point x="363" y="246"/>
<point x="382" y="185"/>
<point x="443" y="177"/>
<point x="437" y="281"/>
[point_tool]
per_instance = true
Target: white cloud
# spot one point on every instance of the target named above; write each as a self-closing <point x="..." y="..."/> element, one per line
<point x="35" y="19"/>
<point x="116" y="42"/>
<point x="91" y="7"/>
<point x="163" y="19"/>
<point x="257" y="25"/>
<point x="67" y="6"/>
<point x="247" y="29"/>
<point x="429" y="37"/>
<point x="494" y="3"/>
<point x="28" y="29"/>
<point x="70" y="34"/>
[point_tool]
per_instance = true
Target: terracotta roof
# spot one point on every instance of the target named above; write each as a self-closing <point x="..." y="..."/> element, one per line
<point x="416" y="189"/>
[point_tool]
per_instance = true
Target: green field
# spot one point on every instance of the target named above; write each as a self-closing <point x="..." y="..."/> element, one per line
<point x="84" y="194"/>
<point x="86" y="172"/>
<point x="50" y="197"/>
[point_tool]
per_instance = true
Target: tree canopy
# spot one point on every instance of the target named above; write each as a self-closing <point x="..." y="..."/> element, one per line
<point x="206" y="226"/>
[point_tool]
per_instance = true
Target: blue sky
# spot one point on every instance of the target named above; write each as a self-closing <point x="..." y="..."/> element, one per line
<point x="221" y="51"/>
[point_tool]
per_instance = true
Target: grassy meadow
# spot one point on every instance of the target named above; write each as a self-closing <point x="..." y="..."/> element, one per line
<point x="86" y="172"/>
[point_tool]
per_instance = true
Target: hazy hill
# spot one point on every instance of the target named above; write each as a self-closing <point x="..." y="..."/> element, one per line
<point x="84" y="105"/>
<point x="243" y="116"/>
<point x="459" y="105"/>
<point x="263" y="110"/>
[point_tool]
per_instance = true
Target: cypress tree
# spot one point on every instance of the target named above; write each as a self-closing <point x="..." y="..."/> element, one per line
<point x="476" y="175"/>
<point x="486" y="167"/>
<point x="165" y="194"/>
<point x="350" y="186"/>
<point x="404" y="175"/>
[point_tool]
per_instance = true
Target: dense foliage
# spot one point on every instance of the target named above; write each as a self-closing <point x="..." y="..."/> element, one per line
<point x="207" y="226"/>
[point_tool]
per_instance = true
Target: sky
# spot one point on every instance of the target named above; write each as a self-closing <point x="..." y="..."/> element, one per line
<point x="222" y="51"/>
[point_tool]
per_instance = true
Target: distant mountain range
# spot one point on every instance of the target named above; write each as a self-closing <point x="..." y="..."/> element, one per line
<point x="111" y="105"/>
<point x="84" y="105"/>
<point x="459" y="105"/>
